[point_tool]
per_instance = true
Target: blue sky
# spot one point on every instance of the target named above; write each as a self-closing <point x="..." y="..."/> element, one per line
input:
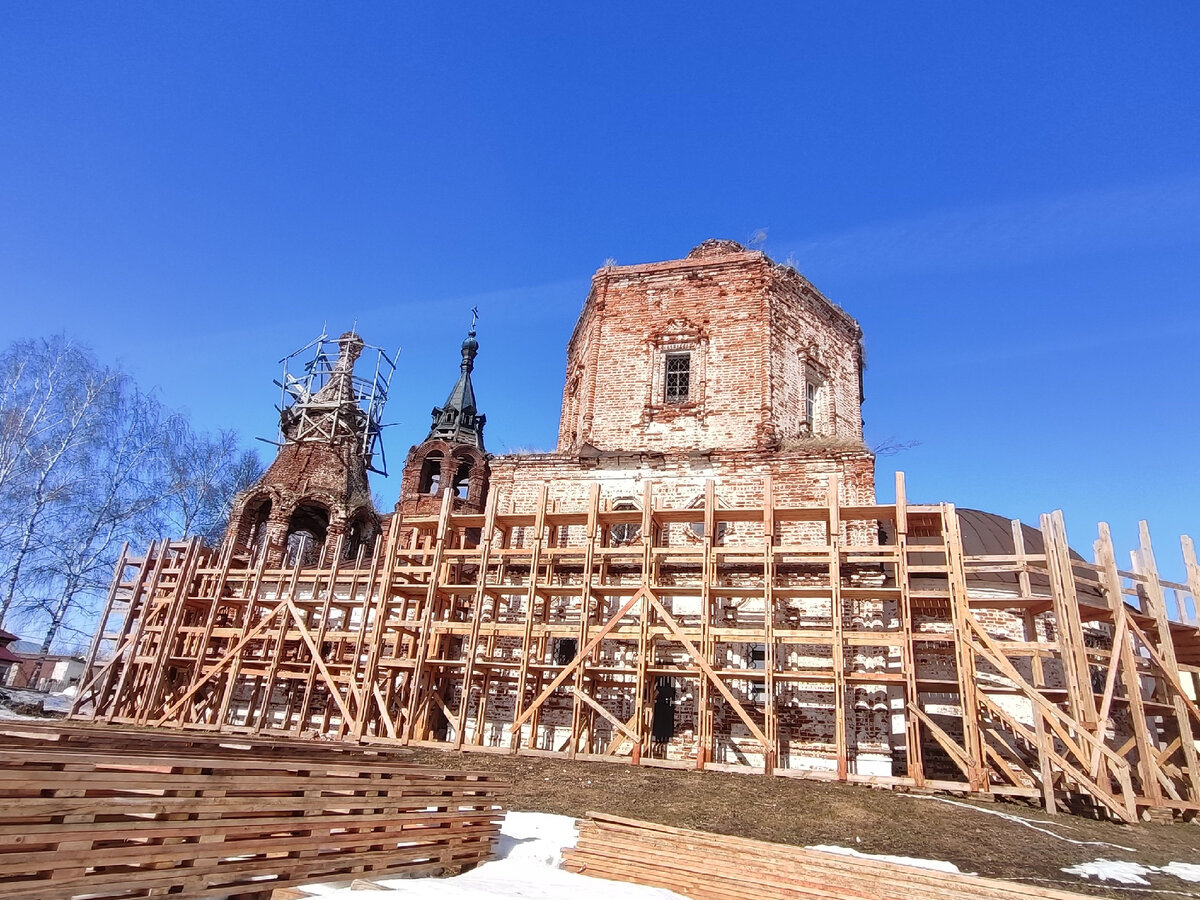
<point x="1007" y="197"/>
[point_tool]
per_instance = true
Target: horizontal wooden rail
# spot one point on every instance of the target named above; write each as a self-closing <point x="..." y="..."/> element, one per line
<point x="737" y="635"/>
<point x="118" y="814"/>
<point x="706" y="866"/>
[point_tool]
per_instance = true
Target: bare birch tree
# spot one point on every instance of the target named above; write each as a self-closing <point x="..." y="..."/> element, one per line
<point x="54" y="397"/>
<point x="87" y="460"/>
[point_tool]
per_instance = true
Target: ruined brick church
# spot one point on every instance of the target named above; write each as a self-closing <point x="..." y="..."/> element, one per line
<point x="723" y="365"/>
<point x="699" y="575"/>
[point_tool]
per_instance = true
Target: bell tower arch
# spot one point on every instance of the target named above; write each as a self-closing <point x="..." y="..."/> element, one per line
<point x="452" y="456"/>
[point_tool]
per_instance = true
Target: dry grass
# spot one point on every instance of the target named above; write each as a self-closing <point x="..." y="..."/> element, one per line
<point x="812" y="812"/>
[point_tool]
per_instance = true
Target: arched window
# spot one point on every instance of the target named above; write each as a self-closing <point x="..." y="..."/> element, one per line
<point x="306" y="535"/>
<point x="254" y="527"/>
<point x="462" y="478"/>
<point x="359" y="533"/>
<point x="431" y="474"/>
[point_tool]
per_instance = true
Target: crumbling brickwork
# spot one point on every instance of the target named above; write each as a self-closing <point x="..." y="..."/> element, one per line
<point x="753" y="336"/>
<point x="723" y="366"/>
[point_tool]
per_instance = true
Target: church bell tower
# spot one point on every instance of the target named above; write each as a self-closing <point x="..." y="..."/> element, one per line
<point x="452" y="456"/>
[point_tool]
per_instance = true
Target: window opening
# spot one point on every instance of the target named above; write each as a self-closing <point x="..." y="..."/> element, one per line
<point x="697" y="528"/>
<point x="812" y="405"/>
<point x="358" y="534"/>
<point x="679" y="377"/>
<point x="462" y="480"/>
<point x="624" y="532"/>
<point x="306" y="535"/>
<point x="565" y="650"/>
<point x="431" y="474"/>
<point x="258" y="528"/>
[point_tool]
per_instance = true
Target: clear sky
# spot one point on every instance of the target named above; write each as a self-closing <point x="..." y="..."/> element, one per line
<point x="1006" y="196"/>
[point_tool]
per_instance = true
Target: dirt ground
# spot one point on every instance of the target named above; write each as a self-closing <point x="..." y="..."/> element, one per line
<point x="969" y="834"/>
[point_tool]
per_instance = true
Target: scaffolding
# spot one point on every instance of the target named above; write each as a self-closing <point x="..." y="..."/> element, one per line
<point x="852" y="643"/>
<point x="321" y="399"/>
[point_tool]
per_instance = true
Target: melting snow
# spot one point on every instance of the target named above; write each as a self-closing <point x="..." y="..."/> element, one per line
<point x="936" y="864"/>
<point x="1133" y="872"/>
<point x="1182" y="871"/>
<point x="1111" y="870"/>
<point x="529" y="848"/>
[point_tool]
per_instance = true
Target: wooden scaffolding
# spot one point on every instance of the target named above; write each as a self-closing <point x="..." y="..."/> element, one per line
<point x="857" y="643"/>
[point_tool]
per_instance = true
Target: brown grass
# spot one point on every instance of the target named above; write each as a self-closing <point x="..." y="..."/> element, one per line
<point x="872" y="820"/>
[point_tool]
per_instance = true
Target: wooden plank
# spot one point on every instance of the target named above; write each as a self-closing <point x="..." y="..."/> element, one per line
<point x="743" y="869"/>
<point x="218" y="821"/>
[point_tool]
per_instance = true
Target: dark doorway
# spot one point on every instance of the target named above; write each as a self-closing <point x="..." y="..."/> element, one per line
<point x="663" y="726"/>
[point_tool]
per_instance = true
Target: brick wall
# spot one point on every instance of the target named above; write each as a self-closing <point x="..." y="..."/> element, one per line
<point x="755" y="333"/>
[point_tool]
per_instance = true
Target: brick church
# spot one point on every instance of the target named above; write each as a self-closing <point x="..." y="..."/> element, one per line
<point x="698" y="575"/>
<point x="720" y="365"/>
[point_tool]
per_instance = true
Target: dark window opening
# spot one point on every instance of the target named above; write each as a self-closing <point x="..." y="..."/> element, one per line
<point x="358" y="535"/>
<point x="679" y="377"/>
<point x="431" y="474"/>
<point x="565" y="650"/>
<point x="663" y="726"/>
<point x="462" y="480"/>
<point x="257" y="537"/>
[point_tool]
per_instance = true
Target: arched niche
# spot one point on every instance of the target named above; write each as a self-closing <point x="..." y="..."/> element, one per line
<point x="360" y="533"/>
<point x="251" y="533"/>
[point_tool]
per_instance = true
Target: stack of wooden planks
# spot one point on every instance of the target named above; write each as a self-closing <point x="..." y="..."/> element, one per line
<point x="706" y="866"/>
<point x="131" y="816"/>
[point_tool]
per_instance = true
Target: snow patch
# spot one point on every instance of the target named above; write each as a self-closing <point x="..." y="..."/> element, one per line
<point x="916" y="862"/>
<point x="530" y="851"/>
<point x="1182" y="871"/>
<point x="1133" y="872"/>
<point x="1112" y="870"/>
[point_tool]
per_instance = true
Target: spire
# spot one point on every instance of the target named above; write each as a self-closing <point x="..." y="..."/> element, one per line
<point x="457" y="420"/>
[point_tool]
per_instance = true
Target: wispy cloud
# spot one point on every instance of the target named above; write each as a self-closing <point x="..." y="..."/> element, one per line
<point x="1159" y="214"/>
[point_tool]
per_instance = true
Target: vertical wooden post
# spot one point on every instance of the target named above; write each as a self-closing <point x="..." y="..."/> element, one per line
<point x="416" y="690"/>
<point x="908" y="656"/>
<point x="1166" y="649"/>
<point x="535" y="562"/>
<point x="479" y="599"/>
<point x="641" y="745"/>
<point x="967" y="675"/>
<point x="1072" y="649"/>
<point x="705" y="737"/>
<point x="770" y="707"/>
<point x="322" y="626"/>
<point x="1123" y="652"/>
<point x="834" y="525"/>
<point x="1193" y="573"/>
<point x="585" y="606"/>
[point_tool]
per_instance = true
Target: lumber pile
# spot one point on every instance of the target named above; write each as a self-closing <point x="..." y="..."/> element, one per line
<point x="705" y="866"/>
<point x="132" y="816"/>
